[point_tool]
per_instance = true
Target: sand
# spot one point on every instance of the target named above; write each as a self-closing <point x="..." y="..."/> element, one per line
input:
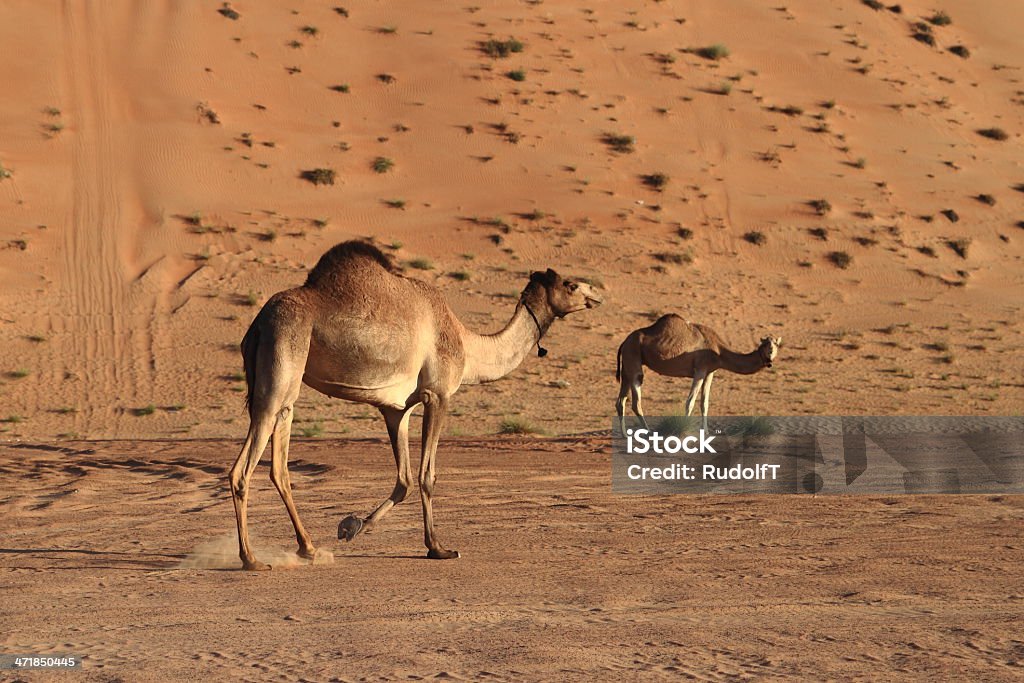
<point x="152" y="198"/>
<point x="123" y="552"/>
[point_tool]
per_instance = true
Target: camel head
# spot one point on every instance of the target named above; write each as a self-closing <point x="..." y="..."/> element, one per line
<point x="769" y="349"/>
<point x="562" y="296"/>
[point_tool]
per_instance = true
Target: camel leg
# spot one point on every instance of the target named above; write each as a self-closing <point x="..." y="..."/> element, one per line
<point x="705" y="400"/>
<point x="637" y="399"/>
<point x="620" y="404"/>
<point x="282" y="480"/>
<point x="435" y="409"/>
<point x="397" y="421"/>
<point x="691" y="399"/>
<point x="260" y="430"/>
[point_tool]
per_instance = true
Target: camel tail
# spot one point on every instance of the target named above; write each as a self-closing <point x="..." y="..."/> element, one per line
<point x="618" y="363"/>
<point x="250" y="344"/>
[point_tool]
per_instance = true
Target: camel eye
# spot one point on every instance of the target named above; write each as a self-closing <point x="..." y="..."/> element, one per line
<point x="572" y="286"/>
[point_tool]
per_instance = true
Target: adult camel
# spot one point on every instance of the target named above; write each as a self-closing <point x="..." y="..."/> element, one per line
<point x="678" y="348"/>
<point x="361" y="331"/>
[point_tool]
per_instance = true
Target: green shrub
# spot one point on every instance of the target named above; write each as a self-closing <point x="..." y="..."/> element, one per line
<point x="515" y="425"/>
<point x="500" y="49"/>
<point x="382" y="165"/>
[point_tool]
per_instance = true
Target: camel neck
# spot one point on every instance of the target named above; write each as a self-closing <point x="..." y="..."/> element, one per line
<point x="741" y="363"/>
<point x="492" y="356"/>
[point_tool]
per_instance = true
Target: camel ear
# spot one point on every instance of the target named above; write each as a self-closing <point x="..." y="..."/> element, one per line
<point x="778" y="341"/>
<point x="551" y="275"/>
<point x="537" y="276"/>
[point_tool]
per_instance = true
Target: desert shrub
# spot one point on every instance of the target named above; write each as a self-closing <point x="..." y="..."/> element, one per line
<point x="755" y="237"/>
<point x="500" y="49"/>
<point x="382" y="165"/>
<point x="312" y="431"/>
<point x="460" y="275"/>
<point x="421" y="264"/>
<point x="986" y="199"/>
<point x="922" y="33"/>
<point x="960" y="51"/>
<point x="517" y="75"/>
<point x="516" y="425"/>
<point x="685" y="233"/>
<point x="960" y="246"/>
<point x="750" y="426"/>
<point x="675" y="425"/>
<point x="344" y="87"/>
<point x="820" y="233"/>
<point x="619" y="143"/>
<point x="940" y="19"/>
<point x="821" y="206"/>
<point x="656" y="181"/>
<point x="713" y="52"/>
<point x="395" y="203"/>
<point x="994" y="134"/>
<point x="840" y="259"/>
<point x="319" y="176"/>
<point x="676" y="257"/>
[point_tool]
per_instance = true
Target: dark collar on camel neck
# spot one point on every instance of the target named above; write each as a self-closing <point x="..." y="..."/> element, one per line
<point x="541" y="351"/>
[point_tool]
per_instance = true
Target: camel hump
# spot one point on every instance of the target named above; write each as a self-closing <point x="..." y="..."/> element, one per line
<point x="669" y="317"/>
<point x="346" y="255"/>
<point x="665" y="322"/>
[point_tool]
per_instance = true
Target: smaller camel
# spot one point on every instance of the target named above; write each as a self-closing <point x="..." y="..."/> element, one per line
<point x="677" y="348"/>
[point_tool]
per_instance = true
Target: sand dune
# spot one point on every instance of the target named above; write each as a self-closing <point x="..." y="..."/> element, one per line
<point x="154" y="198"/>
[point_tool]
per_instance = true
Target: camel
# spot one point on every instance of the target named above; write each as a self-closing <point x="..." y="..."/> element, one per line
<point x="677" y="348"/>
<point x="359" y="330"/>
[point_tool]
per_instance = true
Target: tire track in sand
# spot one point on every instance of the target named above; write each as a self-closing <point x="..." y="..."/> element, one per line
<point x="107" y="346"/>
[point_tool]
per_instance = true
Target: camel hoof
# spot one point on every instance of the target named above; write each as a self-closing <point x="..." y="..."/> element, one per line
<point x="255" y="566"/>
<point x="442" y="554"/>
<point x="350" y="528"/>
<point x="307" y="553"/>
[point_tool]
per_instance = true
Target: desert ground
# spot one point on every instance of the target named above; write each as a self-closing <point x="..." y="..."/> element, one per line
<point x="838" y="173"/>
<point x="123" y="552"/>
